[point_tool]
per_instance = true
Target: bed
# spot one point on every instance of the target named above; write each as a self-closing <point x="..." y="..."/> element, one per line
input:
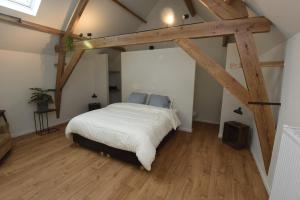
<point x="125" y="127"/>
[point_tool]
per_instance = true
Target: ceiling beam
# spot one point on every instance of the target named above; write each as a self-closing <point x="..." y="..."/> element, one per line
<point x="130" y="11"/>
<point x="234" y="9"/>
<point x="199" y="30"/>
<point x="15" y="21"/>
<point x="189" y="4"/>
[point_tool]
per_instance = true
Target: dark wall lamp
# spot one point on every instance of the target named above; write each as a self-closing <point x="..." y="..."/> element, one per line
<point x="238" y="111"/>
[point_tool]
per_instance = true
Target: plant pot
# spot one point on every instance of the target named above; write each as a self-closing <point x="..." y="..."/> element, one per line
<point x="42" y="106"/>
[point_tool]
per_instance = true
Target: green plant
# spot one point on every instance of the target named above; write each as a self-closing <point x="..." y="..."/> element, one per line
<point x="69" y="43"/>
<point x="40" y="95"/>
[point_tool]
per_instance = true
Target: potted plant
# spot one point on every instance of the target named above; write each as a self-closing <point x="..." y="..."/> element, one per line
<point x="41" y="98"/>
<point x="69" y="43"/>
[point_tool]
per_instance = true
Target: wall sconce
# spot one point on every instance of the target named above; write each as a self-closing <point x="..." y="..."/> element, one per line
<point x="238" y="111"/>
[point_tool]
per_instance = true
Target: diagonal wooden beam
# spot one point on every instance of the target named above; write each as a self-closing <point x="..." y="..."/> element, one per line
<point x="70" y="67"/>
<point x="62" y="52"/>
<point x="129" y="11"/>
<point x="15" y="21"/>
<point x="200" y="30"/>
<point x="234" y="9"/>
<point x="76" y="16"/>
<point x="215" y="70"/>
<point x="263" y="115"/>
<point x="189" y="4"/>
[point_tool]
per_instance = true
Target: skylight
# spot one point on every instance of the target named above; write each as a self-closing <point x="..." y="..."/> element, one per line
<point x="25" y="6"/>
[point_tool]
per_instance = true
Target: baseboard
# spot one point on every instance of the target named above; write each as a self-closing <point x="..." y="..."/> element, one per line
<point x="31" y="132"/>
<point x="262" y="173"/>
<point x="207" y="121"/>
<point x="189" y="130"/>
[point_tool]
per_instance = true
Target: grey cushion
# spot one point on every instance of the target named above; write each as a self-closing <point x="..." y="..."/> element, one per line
<point x="136" y="97"/>
<point x="159" y="101"/>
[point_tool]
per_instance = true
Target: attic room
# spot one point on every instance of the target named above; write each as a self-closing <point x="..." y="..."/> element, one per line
<point x="149" y="99"/>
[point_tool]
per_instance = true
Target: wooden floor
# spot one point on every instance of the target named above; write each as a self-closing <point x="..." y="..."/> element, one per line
<point x="189" y="166"/>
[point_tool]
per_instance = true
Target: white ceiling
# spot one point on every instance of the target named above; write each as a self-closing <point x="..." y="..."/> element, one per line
<point x="283" y="13"/>
<point x="104" y="18"/>
<point x="101" y="17"/>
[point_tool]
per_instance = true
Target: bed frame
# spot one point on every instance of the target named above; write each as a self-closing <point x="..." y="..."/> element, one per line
<point x="122" y="155"/>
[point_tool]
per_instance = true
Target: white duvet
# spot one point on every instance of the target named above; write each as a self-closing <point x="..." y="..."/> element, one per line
<point x="132" y="127"/>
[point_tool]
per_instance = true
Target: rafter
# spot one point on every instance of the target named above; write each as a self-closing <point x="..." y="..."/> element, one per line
<point x="189" y="4"/>
<point x="130" y="11"/>
<point x="234" y="9"/>
<point x="15" y="21"/>
<point x="200" y="30"/>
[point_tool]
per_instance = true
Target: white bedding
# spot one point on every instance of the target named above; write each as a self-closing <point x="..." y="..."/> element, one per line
<point x="132" y="127"/>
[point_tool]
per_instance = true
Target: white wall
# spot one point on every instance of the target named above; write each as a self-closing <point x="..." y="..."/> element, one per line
<point x="273" y="79"/>
<point x="290" y="110"/>
<point x="169" y="72"/>
<point x="208" y="93"/>
<point x="20" y="71"/>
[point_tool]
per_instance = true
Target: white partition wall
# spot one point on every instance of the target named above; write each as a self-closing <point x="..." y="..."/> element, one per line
<point x="169" y="72"/>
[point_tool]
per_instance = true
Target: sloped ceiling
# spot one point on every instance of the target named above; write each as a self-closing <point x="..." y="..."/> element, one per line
<point x="104" y="18"/>
<point x="101" y="18"/>
<point x="283" y="13"/>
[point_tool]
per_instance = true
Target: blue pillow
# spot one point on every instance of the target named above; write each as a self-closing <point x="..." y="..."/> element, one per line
<point x="159" y="101"/>
<point x="136" y="97"/>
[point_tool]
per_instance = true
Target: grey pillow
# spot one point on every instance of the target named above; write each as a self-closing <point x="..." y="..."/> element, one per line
<point x="136" y="97"/>
<point x="159" y="101"/>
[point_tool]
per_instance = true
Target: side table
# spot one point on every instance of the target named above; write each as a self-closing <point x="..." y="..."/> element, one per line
<point x="40" y="116"/>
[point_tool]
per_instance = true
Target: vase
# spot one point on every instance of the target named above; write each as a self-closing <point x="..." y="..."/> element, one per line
<point x="42" y="106"/>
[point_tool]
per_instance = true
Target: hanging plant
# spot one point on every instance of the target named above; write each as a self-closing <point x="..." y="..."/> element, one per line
<point x="69" y="43"/>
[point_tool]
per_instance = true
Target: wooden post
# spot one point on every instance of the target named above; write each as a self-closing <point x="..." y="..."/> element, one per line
<point x="254" y="78"/>
<point x="62" y="52"/>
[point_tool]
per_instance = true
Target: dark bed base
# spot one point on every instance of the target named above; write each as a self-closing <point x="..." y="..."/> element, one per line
<point x="126" y="156"/>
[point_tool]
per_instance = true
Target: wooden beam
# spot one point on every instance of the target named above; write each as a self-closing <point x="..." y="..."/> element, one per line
<point x="266" y="64"/>
<point x="59" y="73"/>
<point x="8" y="19"/>
<point x="189" y="4"/>
<point x="70" y="67"/>
<point x="62" y="52"/>
<point x="129" y="11"/>
<point x="228" y="1"/>
<point x="76" y="16"/>
<point x="263" y="115"/>
<point x="122" y="49"/>
<point x="215" y="70"/>
<point x="200" y="30"/>
<point x="235" y="9"/>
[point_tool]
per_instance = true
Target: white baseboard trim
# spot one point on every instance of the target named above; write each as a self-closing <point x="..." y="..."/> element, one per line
<point x="262" y="173"/>
<point x="207" y="121"/>
<point x="27" y="132"/>
<point x="189" y="130"/>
